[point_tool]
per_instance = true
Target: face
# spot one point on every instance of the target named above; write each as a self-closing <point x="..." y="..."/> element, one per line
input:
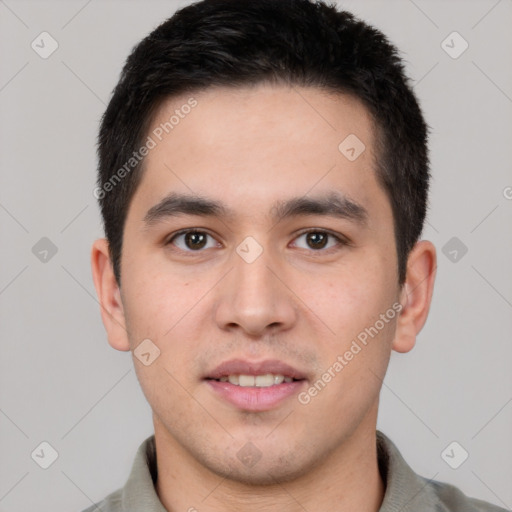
<point x="273" y="302"/>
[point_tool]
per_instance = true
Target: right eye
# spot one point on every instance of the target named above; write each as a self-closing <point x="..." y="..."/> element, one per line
<point x="191" y="240"/>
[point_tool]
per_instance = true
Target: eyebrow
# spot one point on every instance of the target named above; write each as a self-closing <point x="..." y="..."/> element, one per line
<point x="332" y="204"/>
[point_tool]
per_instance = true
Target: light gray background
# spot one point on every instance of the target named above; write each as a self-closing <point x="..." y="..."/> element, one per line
<point x="61" y="382"/>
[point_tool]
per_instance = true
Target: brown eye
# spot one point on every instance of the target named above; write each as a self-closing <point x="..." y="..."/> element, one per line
<point x="195" y="240"/>
<point x="317" y="239"/>
<point x="191" y="240"/>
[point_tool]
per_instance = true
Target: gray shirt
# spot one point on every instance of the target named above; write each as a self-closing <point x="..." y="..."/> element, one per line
<point x="405" y="490"/>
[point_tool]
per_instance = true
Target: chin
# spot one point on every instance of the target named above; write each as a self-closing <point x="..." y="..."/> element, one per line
<point x="264" y="472"/>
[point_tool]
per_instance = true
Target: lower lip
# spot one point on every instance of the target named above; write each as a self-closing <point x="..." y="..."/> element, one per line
<point x="253" y="398"/>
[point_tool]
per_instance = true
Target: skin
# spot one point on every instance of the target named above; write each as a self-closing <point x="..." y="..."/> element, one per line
<point x="249" y="147"/>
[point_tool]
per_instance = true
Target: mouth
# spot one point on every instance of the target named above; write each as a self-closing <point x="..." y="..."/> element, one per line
<point x="258" y="381"/>
<point x="252" y="386"/>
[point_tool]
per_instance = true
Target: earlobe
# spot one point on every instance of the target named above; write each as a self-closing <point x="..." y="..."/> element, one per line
<point x="416" y="295"/>
<point x="109" y="296"/>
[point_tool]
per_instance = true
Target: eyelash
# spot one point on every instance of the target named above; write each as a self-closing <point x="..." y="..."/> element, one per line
<point x="341" y="241"/>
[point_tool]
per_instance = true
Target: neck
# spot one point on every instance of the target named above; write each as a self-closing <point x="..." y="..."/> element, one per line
<point x="348" y="479"/>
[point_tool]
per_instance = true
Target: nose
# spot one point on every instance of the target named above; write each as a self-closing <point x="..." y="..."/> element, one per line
<point x="255" y="298"/>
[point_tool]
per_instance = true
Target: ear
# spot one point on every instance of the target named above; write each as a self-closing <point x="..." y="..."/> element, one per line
<point x="416" y="295"/>
<point x="109" y="295"/>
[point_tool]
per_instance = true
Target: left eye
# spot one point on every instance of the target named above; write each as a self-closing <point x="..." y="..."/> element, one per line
<point x="318" y="240"/>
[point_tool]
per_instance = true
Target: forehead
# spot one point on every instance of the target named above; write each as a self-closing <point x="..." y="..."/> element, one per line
<point x="221" y="114"/>
<point x="251" y="145"/>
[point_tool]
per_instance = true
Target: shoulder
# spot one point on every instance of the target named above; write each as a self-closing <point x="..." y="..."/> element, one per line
<point x="112" y="503"/>
<point x="408" y="491"/>
<point x="452" y="499"/>
<point x="138" y="492"/>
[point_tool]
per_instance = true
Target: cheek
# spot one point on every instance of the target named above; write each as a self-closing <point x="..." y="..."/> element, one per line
<point x="350" y="298"/>
<point x="355" y="358"/>
<point x="160" y="307"/>
<point x="155" y="299"/>
<point x="170" y="309"/>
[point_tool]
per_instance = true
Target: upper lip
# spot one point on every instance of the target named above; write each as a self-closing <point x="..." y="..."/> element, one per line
<point x="243" y="367"/>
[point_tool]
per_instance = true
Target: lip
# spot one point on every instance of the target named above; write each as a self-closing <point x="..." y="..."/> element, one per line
<point x="243" y="367"/>
<point x="255" y="399"/>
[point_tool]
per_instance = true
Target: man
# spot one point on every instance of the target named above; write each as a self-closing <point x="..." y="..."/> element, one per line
<point x="263" y="180"/>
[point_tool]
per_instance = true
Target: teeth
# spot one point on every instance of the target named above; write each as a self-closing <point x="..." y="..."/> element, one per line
<point x="278" y="379"/>
<point x="264" y="381"/>
<point x="246" y="380"/>
<point x="259" y="381"/>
